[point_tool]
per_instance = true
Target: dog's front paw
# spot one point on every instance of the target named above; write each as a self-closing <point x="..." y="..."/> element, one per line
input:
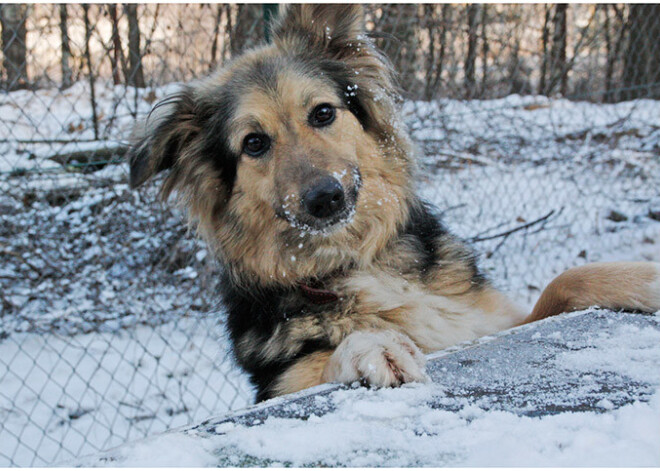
<point x="383" y="358"/>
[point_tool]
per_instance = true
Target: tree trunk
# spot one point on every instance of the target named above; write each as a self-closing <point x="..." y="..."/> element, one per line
<point x="135" y="72"/>
<point x="117" y="59"/>
<point x="14" y="50"/>
<point x="558" y="69"/>
<point x="620" y="27"/>
<point x="470" y="59"/>
<point x="400" y="21"/>
<point x="216" y="34"/>
<point x="609" y="65"/>
<point x="247" y="30"/>
<point x="67" y="77"/>
<point x="484" y="50"/>
<point x="516" y="81"/>
<point x="90" y="70"/>
<point x="227" y="45"/>
<point x="431" y="27"/>
<point x="643" y="53"/>
<point x="446" y="19"/>
<point x="545" y="39"/>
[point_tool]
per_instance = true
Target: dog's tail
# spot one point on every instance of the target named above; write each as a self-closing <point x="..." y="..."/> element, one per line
<point x="617" y="285"/>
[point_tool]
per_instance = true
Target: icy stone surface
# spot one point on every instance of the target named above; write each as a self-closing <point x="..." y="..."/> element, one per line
<point x="578" y="389"/>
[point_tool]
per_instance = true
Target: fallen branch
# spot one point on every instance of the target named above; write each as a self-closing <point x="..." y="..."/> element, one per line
<point x="516" y="229"/>
<point x="91" y="156"/>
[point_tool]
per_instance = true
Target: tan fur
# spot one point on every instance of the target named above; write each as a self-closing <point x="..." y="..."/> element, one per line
<point x="260" y="252"/>
<point x="304" y="374"/>
<point x="433" y="320"/>
<point x="622" y="285"/>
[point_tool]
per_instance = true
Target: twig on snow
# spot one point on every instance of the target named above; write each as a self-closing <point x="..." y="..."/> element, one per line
<point x="516" y="229"/>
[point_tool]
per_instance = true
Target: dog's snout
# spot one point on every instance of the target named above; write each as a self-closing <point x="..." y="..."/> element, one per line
<point x="325" y="198"/>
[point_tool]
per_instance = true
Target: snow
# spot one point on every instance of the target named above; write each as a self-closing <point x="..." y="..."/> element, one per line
<point x="436" y="425"/>
<point x="605" y="353"/>
<point x="404" y="432"/>
<point x="96" y="278"/>
<point x="98" y="390"/>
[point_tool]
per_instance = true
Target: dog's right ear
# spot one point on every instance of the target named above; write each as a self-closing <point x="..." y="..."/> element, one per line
<point x="161" y="137"/>
<point x="320" y="28"/>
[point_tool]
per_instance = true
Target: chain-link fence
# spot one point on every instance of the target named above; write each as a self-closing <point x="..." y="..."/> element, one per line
<point x="538" y="129"/>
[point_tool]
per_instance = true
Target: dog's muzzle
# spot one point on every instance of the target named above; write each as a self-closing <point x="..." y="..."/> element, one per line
<point x="324" y="205"/>
<point x="325" y="199"/>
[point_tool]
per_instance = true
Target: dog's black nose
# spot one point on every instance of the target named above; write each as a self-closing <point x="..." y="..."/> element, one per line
<point x="325" y="198"/>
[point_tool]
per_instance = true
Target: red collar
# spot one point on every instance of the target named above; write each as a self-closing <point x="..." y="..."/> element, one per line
<point x="317" y="295"/>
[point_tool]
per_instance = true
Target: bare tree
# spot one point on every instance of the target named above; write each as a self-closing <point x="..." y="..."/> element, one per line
<point x="117" y="59"/>
<point x="90" y="70"/>
<point x="65" y="62"/>
<point x="643" y="53"/>
<point x="484" y="49"/>
<point x="517" y="81"/>
<point x="14" y="49"/>
<point x="446" y="15"/>
<point x="558" y="69"/>
<point x="545" y="41"/>
<point x="398" y="23"/>
<point x="470" y="59"/>
<point x="436" y="29"/>
<point x="227" y="46"/>
<point x="462" y="51"/>
<point x="247" y="31"/>
<point x="615" y="31"/>
<point x="216" y="33"/>
<point x="135" y="76"/>
<point x="554" y="69"/>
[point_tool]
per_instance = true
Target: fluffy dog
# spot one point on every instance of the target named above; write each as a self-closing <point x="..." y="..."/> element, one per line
<point x="293" y="165"/>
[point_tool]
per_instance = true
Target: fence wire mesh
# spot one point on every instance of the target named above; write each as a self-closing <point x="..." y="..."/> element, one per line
<point x="538" y="130"/>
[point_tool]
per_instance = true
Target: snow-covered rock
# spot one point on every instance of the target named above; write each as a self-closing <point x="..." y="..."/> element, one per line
<point x="580" y="389"/>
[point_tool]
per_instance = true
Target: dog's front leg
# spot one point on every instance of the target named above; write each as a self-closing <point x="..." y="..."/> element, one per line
<point x="380" y="358"/>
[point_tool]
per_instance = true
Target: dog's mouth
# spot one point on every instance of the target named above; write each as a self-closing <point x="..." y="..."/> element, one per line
<point x="325" y="227"/>
<point x="325" y="208"/>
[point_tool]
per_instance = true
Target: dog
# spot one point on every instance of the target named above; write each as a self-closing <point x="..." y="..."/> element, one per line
<point x="293" y="164"/>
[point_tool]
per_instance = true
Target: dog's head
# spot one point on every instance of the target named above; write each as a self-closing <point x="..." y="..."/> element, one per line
<point x="291" y="160"/>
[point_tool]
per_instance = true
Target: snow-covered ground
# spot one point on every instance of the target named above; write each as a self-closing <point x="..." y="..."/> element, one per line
<point x="63" y="396"/>
<point x="103" y="287"/>
<point x="395" y="428"/>
<point x="498" y="402"/>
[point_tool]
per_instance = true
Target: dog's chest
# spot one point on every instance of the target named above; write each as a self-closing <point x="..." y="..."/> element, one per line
<point x="431" y="320"/>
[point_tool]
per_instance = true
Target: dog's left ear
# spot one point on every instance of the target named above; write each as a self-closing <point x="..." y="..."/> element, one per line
<point x="334" y="29"/>
<point x="159" y="140"/>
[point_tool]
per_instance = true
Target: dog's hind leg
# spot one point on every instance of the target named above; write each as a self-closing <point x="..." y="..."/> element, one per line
<point x="615" y="285"/>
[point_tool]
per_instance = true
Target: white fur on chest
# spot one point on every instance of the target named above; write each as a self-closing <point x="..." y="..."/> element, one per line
<point x="431" y="320"/>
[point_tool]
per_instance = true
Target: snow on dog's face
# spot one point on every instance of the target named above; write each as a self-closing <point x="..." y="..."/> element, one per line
<point x="291" y="160"/>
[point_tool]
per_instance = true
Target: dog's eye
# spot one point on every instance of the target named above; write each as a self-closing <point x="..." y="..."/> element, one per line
<point x="256" y="145"/>
<point x="322" y="115"/>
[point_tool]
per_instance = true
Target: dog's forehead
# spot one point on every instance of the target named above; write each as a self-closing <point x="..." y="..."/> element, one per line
<point x="290" y="93"/>
<point x="277" y="78"/>
<point x="263" y="91"/>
